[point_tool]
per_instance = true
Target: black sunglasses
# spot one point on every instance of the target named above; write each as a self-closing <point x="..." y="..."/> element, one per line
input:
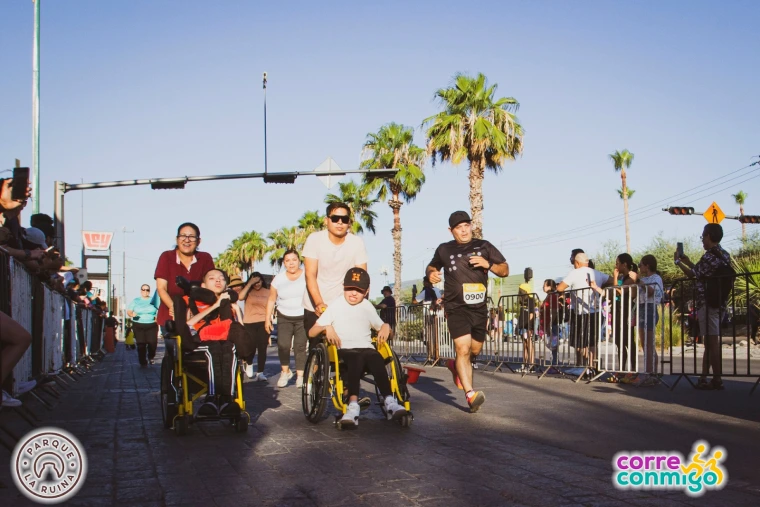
<point x="340" y="218"/>
<point x="145" y="290"/>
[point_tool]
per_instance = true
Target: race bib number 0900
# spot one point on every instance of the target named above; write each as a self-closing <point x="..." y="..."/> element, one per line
<point x="474" y="293"/>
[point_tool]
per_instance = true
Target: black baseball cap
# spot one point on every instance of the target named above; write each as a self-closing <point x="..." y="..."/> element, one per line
<point x="458" y="217"/>
<point x="356" y="278"/>
<point x="387" y="288"/>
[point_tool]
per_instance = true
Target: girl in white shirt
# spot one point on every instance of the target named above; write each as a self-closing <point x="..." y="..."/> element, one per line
<point x="286" y="291"/>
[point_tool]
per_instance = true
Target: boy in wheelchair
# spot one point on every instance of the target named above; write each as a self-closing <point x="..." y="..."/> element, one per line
<point x="347" y="323"/>
<point x="212" y="326"/>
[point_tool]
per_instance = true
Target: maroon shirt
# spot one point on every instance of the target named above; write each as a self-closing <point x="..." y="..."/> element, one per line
<point x="169" y="268"/>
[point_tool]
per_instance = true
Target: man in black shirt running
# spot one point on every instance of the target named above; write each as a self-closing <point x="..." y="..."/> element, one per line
<point x="466" y="262"/>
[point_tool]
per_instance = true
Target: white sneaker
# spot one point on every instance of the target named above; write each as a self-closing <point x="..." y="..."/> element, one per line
<point x="10" y="401"/>
<point x="351" y="418"/>
<point x="25" y="387"/>
<point x="284" y="379"/>
<point x="392" y="409"/>
<point x="260" y="377"/>
<point x="248" y="368"/>
<point x="299" y="382"/>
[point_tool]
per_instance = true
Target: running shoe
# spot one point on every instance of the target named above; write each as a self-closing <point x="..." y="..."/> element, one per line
<point x="25" y="387"/>
<point x="452" y="366"/>
<point x="260" y="377"/>
<point x="284" y="379"/>
<point x="248" y="368"/>
<point x="364" y="403"/>
<point x="392" y="409"/>
<point x="299" y="382"/>
<point x="351" y="418"/>
<point x="475" y="400"/>
<point x="10" y="401"/>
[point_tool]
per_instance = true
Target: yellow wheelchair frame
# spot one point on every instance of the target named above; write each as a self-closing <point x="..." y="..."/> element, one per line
<point x="177" y="400"/>
<point x="323" y="381"/>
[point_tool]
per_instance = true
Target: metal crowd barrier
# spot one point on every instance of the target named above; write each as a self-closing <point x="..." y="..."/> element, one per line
<point x="62" y="333"/>
<point x="685" y="354"/>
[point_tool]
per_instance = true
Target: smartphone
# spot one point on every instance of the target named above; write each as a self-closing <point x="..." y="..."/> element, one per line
<point x="588" y="279"/>
<point x="20" y="183"/>
<point x="679" y="249"/>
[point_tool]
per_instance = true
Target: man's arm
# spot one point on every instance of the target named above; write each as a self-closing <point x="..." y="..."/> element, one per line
<point x="311" y="267"/>
<point x="500" y="270"/>
<point x="562" y="287"/>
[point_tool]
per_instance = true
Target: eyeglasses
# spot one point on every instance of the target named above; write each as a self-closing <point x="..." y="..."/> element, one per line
<point x="340" y="218"/>
<point x="185" y="237"/>
<point x="144" y="290"/>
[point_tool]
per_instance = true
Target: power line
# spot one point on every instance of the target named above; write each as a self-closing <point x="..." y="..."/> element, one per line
<point x="553" y="237"/>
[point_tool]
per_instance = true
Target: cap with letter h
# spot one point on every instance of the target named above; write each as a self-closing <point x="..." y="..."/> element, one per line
<point x="356" y="278"/>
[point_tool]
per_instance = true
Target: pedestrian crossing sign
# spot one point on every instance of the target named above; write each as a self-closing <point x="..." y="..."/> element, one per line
<point x="714" y="215"/>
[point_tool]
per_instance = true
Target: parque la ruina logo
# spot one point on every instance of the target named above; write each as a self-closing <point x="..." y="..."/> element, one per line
<point x="49" y="465"/>
<point x="668" y="470"/>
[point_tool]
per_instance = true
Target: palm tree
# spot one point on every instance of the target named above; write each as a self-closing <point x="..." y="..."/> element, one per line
<point x="739" y="198"/>
<point x="284" y="239"/>
<point x="629" y="191"/>
<point x="311" y="221"/>
<point x="622" y="160"/>
<point x="227" y="263"/>
<point x="475" y="125"/>
<point x="242" y="254"/>
<point x="360" y="200"/>
<point x="392" y="147"/>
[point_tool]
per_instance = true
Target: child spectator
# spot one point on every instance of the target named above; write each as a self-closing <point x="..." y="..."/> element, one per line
<point x="650" y="296"/>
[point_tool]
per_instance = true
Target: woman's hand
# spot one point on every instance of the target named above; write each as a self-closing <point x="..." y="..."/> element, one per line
<point x="268" y="327"/>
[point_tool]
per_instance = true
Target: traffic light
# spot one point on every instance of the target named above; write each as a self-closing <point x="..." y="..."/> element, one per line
<point x="750" y="219"/>
<point x="280" y="178"/>
<point x="680" y="210"/>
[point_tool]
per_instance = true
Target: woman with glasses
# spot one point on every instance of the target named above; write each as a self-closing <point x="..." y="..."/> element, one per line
<point x="256" y="294"/>
<point x="184" y="260"/>
<point x="143" y="315"/>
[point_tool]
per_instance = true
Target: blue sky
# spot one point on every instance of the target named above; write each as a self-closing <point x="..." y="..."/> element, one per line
<point x="166" y="88"/>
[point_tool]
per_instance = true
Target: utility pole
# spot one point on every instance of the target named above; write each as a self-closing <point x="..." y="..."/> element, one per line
<point x="265" y="122"/>
<point x="124" y="232"/>
<point x="36" y="111"/>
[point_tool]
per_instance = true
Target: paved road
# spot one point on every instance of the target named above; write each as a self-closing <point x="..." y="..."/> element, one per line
<point x="535" y="442"/>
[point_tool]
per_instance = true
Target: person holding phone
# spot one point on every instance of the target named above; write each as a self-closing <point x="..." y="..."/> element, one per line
<point x="584" y="305"/>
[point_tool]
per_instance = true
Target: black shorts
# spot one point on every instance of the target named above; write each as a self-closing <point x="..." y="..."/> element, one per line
<point x="584" y="330"/>
<point x="463" y="321"/>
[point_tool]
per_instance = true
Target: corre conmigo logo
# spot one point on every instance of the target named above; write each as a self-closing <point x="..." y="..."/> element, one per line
<point x="49" y="465"/>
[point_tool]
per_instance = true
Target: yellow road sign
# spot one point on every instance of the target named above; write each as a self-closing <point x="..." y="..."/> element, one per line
<point x="714" y="214"/>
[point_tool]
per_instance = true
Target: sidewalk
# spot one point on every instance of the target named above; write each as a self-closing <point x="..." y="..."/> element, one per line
<point x="534" y="442"/>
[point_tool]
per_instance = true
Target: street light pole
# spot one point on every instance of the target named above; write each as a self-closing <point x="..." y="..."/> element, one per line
<point x="36" y="110"/>
<point x="265" y="122"/>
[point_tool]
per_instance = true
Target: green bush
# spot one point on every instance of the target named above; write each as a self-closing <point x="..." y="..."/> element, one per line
<point x="677" y="333"/>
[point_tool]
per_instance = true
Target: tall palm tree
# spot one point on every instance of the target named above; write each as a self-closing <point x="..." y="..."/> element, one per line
<point x="392" y="147"/>
<point x="739" y="198"/>
<point x="227" y="263"/>
<point x="476" y="125"/>
<point x="622" y="160"/>
<point x="629" y="191"/>
<point x="284" y="239"/>
<point x="359" y="199"/>
<point x="311" y="221"/>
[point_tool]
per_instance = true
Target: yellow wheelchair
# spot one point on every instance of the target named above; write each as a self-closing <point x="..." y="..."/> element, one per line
<point x="322" y="381"/>
<point x="184" y="380"/>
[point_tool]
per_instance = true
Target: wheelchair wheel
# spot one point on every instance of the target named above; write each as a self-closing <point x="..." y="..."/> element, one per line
<point x="401" y="380"/>
<point x="168" y="394"/>
<point x="316" y="385"/>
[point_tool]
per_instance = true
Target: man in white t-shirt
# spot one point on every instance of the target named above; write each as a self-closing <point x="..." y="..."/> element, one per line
<point x="584" y="329"/>
<point x="347" y="323"/>
<point x="327" y="255"/>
